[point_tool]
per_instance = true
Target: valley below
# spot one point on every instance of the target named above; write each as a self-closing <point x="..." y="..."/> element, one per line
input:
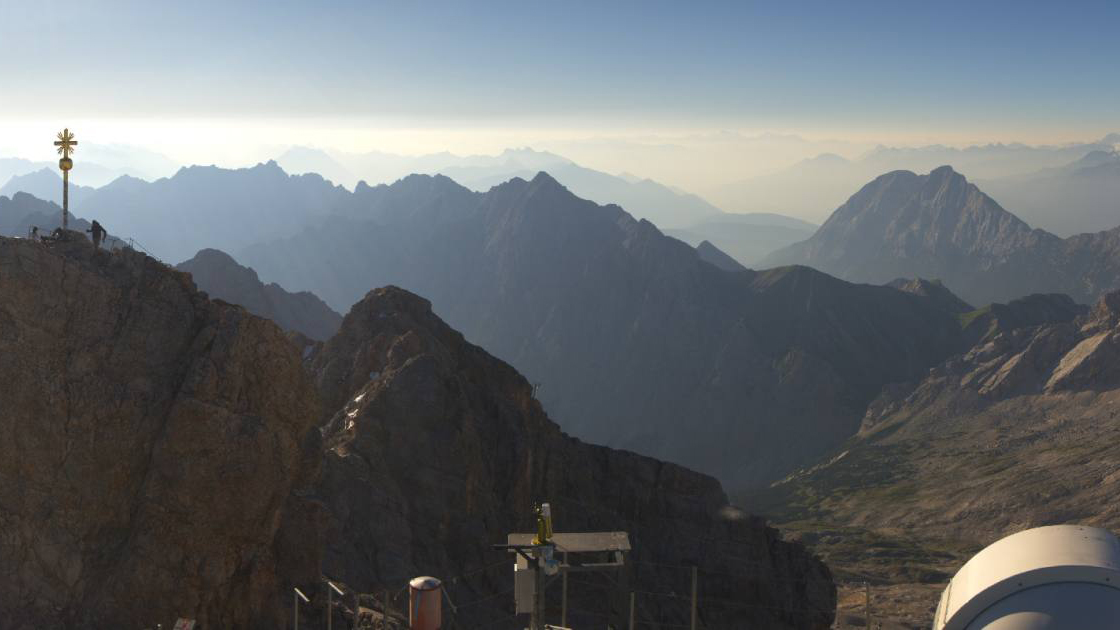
<point x="1022" y="431"/>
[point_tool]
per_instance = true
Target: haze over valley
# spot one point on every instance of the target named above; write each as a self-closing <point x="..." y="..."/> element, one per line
<point x="734" y="316"/>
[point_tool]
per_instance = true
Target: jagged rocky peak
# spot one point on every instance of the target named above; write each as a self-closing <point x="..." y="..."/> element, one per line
<point x="933" y="289"/>
<point x="436" y="450"/>
<point x="153" y="438"/>
<point x="716" y="256"/>
<point x="939" y="225"/>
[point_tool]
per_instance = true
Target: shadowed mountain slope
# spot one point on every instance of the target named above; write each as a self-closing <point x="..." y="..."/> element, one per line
<point x="714" y="255"/>
<point x="436" y="449"/>
<point x="1019" y="431"/>
<point x="219" y="275"/>
<point x="164" y="461"/>
<point x="637" y="341"/>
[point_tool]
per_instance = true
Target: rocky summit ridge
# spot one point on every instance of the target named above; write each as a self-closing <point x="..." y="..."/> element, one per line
<point x="147" y="459"/>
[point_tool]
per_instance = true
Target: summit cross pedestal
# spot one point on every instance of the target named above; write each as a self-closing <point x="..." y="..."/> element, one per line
<point x="65" y="144"/>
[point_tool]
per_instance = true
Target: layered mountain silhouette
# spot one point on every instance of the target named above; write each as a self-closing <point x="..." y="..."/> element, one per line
<point x="748" y="238"/>
<point x="45" y="184"/>
<point x="714" y="255"/>
<point x="812" y="187"/>
<point x="220" y="276"/>
<point x="1083" y="196"/>
<point x="209" y="207"/>
<point x="635" y="339"/>
<point x="941" y="226"/>
<point x="172" y="456"/>
<point x="642" y="197"/>
<point x="20" y="213"/>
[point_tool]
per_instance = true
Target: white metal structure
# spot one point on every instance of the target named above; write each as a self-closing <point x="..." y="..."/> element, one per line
<point x="1062" y="576"/>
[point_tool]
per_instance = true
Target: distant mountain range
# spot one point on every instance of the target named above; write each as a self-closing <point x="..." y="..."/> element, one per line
<point x="1083" y="196"/>
<point x="637" y="340"/>
<point x="643" y="198"/>
<point x="632" y="334"/>
<point x="748" y="238"/>
<point x="941" y="226"/>
<point x="96" y="164"/>
<point x="205" y="206"/>
<point x="46" y="184"/>
<point x="813" y="187"/>
<point x="202" y="207"/>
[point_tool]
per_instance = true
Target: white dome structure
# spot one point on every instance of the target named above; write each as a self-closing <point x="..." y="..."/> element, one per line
<point x="1063" y="576"/>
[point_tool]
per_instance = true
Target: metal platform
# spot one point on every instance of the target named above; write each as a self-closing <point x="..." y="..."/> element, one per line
<point x="584" y="542"/>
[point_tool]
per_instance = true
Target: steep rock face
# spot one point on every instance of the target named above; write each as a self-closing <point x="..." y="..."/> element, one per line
<point x="219" y="275"/>
<point x="436" y="450"/>
<point x="941" y="226"/>
<point x="637" y="341"/>
<point x="152" y="438"/>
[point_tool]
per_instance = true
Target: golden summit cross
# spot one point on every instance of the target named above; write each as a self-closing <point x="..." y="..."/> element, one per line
<point x="65" y="144"/>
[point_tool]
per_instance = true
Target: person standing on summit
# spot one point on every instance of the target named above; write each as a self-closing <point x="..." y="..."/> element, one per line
<point x="98" y="234"/>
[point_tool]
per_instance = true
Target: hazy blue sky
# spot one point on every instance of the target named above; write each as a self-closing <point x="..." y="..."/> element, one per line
<point x="1036" y="72"/>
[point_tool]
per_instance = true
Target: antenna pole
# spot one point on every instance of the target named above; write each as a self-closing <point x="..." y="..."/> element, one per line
<point x="632" y="597"/>
<point x="692" y="625"/>
<point x="564" y="601"/>
<point x="65" y="199"/>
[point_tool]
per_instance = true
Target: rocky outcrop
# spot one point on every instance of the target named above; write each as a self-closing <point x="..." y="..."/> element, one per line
<point x="941" y="226"/>
<point x="941" y="296"/>
<point x="436" y="450"/>
<point x="219" y="275"/>
<point x="152" y="441"/>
